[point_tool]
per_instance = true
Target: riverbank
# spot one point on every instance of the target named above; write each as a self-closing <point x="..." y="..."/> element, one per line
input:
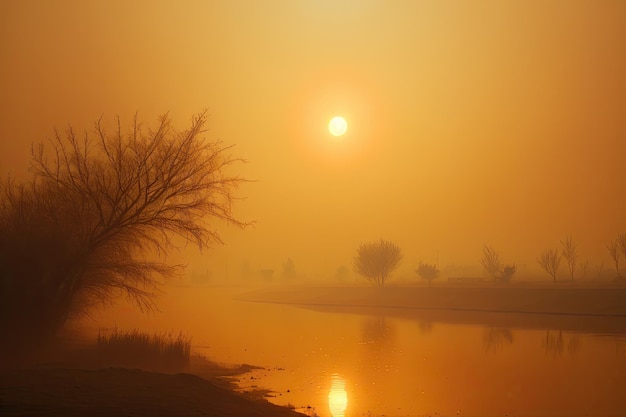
<point x="108" y="392"/>
<point x="79" y="382"/>
<point x="599" y="310"/>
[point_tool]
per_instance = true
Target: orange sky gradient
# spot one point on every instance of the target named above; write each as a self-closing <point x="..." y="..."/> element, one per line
<point x="470" y="122"/>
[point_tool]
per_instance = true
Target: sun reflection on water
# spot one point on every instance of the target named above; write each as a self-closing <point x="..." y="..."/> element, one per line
<point x="337" y="397"/>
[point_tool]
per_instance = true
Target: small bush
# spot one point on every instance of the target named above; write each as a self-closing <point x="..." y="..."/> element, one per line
<point x="428" y="272"/>
<point x="137" y="349"/>
<point x="507" y="273"/>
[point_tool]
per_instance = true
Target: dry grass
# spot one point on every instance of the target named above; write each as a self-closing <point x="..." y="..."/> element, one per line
<point x="164" y="352"/>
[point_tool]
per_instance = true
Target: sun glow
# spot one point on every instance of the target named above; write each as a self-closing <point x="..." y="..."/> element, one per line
<point x="337" y="126"/>
<point x="337" y="397"/>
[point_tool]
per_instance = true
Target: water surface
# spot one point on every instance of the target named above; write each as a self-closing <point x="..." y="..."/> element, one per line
<point x="345" y="364"/>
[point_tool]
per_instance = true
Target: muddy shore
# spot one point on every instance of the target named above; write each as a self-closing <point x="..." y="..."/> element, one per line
<point x="78" y="381"/>
<point x="122" y="392"/>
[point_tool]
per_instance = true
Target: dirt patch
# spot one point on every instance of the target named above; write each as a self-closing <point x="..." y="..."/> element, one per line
<point x="73" y="378"/>
<point x="122" y="392"/>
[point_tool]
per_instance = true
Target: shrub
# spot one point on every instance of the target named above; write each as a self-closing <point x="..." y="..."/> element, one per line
<point x="507" y="273"/>
<point x="428" y="272"/>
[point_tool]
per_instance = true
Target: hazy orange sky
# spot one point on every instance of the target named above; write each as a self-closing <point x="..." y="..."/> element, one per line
<point x="470" y="122"/>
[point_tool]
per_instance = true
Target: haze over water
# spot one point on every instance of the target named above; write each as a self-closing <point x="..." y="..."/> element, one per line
<point x="383" y="364"/>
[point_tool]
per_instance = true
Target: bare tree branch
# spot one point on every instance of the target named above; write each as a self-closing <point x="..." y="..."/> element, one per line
<point x="491" y="261"/>
<point x="570" y="253"/>
<point x="550" y="260"/>
<point x="615" y="250"/>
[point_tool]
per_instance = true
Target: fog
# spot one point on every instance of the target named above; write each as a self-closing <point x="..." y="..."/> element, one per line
<point x="490" y="122"/>
<point x="473" y="128"/>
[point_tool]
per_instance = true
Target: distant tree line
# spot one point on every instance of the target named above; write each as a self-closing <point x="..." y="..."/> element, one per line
<point x="377" y="260"/>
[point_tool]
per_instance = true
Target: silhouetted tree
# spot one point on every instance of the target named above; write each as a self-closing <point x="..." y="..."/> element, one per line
<point x="550" y="260"/>
<point x="86" y="227"/>
<point x="428" y="272"/>
<point x="289" y="269"/>
<point x="584" y="268"/>
<point x="614" y="251"/>
<point x="490" y="262"/>
<point x="621" y="243"/>
<point x="570" y="253"/>
<point x="376" y="260"/>
<point x="507" y="272"/>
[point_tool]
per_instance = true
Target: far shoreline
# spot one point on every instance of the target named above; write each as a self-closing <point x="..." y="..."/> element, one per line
<point x="598" y="309"/>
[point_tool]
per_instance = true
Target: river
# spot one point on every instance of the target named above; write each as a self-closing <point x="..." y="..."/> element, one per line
<point x="346" y="364"/>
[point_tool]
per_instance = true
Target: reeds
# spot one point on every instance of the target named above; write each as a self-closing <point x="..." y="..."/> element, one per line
<point x="163" y="352"/>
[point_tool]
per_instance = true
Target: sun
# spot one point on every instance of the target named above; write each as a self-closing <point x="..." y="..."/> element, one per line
<point x="337" y="126"/>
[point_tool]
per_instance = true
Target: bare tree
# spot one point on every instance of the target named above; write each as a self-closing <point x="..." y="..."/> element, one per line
<point x="99" y="206"/>
<point x="570" y="253"/>
<point x="376" y="260"/>
<point x="428" y="272"/>
<point x="621" y="243"/>
<point x="614" y="251"/>
<point x="584" y="268"/>
<point x="289" y="269"/>
<point x="491" y="262"/>
<point x="550" y="260"/>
